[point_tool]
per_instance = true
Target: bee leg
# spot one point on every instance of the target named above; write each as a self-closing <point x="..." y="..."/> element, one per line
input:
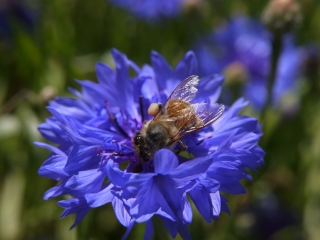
<point x="119" y="154"/>
<point x="182" y="145"/>
<point x="183" y="148"/>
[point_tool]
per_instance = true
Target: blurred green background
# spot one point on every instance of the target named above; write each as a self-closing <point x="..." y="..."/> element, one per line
<point x="57" y="41"/>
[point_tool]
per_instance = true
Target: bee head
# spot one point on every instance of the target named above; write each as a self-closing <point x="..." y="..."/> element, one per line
<point x="137" y="139"/>
<point x="139" y="144"/>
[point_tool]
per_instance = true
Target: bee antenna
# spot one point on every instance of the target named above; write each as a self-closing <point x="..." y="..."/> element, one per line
<point x="115" y="121"/>
<point x="141" y="108"/>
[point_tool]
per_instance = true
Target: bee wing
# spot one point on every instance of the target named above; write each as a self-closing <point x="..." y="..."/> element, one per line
<point x="186" y="90"/>
<point x="188" y="117"/>
<point x="205" y="115"/>
<point x="208" y="114"/>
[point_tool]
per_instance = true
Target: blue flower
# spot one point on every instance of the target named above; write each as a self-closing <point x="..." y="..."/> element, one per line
<point x="150" y="9"/>
<point x="161" y="192"/>
<point x="22" y="14"/>
<point x="95" y="132"/>
<point x="242" y="50"/>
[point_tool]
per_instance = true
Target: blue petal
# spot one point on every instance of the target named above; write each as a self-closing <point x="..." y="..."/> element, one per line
<point x="100" y="198"/>
<point x="162" y="69"/>
<point x="227" y="157"/>
<point x="191" y="170"/>
<point x="105" y="74"/>
<point x="51" y="131"/>
<point x="94" y="93"/>
<point x="209" y="88"/>
<point x="245" y="140"/>
<point x="150" y="86"/>
<point x="199" y="196"/>
<point x="224" y="172"/>
<point x="246" y="123"/>
<point x="170" y="191"/>
<point x="224" y="206"/>
<point x="186" y="67"/>
<point x="183" y="231"/>
<point x="81" y="134"/>
<point x="289" y="69"/>
<point x="85" y="182"/>
<point x="75" y="108"/>
<point x="51" y="148"/>
<point x="232" y="188"/>
<point x="130" y="226"/>
<point x="216" y="203"/>
<point x="230" y="113"/>
<point x="171" y="226"/>
<point x="122" y="79"/>
<point x="236" y="138"/>
<point x="82" y="157"/>
<point x="150" y="10"/>
<point x="226" y="142"/>
<point x="74" y="206"/>
<point x="149" y="230"/>
<point x="54" y="192"/>
<point x="210" y="184"/>
<point x="121" y="212"/>
<point x="165" y="161"/>
<point x="186" y="210"/>
<point x="249" y="159"/>
<point x="53" y="166"/>
<point x="131" y="182"/>
<point x="150" y="201"/>
<point x="257" y="93"/>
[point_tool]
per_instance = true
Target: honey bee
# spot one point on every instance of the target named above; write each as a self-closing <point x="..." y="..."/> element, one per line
<point x="178" y="118"/>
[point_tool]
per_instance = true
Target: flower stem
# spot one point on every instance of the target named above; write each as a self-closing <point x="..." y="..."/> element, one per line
<point x="276" y="50"/>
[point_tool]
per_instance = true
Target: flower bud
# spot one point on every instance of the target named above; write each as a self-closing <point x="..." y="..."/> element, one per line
<point x="311" y="61"/>
<point x="289" y="104"/>
<point x="282" y="16"/>
<point x="47" y="93"/>
<point x="235" y="74"/>
<point x="192" y="6"/>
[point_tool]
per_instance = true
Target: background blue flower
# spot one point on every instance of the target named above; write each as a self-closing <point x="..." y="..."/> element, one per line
<point x="241" y="48"/>
<point x="16" y="13"/>
<point x="149" y="9"/>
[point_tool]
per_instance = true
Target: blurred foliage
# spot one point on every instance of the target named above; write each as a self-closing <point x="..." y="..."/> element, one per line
<point x="40" y="58"/>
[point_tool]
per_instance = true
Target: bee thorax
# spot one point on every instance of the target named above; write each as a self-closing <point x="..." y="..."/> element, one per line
<point x="157" y="137"/>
